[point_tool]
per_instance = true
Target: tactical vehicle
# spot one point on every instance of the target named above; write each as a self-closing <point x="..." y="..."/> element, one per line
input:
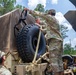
<point x="24" y="44"/>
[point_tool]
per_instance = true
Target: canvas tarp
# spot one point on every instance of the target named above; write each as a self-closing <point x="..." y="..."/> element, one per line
<point x="7" y="23"/>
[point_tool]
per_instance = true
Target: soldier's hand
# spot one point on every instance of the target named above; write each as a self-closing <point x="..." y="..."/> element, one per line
<point x="39" y="26"/>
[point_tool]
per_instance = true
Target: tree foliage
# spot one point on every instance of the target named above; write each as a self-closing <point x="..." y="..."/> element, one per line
<point x="6" y="6"/>
<point x="69" y="50"/>
<point x="67" y="47"/>
<point x="75" y="47"/>
<point x="40" y="8"/>
<point x="63" y="31"/>
<point x="46" y="11"/>
<point x="19" y="6"/>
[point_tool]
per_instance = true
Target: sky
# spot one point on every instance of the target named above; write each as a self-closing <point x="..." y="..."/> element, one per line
<point x="61" y="7"/>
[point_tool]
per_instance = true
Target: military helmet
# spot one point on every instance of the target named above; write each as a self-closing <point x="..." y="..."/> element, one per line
<point x="52" y="12"/>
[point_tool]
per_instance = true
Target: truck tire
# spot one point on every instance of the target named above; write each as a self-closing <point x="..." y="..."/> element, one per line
<point x="26" y="42"/>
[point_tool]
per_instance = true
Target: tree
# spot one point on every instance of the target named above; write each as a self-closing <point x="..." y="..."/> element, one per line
<point x="19" y="6"/>
<point x="46" y="11"/>
<point x="40" y="8"/>
<point x="67" y="47"/>
<point x="75" y="47"/>
<point x="69" y="50"/>
<point x="63" y="31"/>
<point x="6" y="6"/>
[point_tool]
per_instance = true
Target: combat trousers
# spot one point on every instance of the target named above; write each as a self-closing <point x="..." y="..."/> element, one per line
<point x="56" y="51"/>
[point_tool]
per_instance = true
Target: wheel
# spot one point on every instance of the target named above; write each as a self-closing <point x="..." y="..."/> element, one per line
<point x="27" y="40"/>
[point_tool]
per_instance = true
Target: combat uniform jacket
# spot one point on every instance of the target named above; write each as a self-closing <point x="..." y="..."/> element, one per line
<point x="4" y="71"/>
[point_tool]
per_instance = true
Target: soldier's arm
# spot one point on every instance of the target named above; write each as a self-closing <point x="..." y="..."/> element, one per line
<point x="36" y="13"/>
<point x="33" y="13"/>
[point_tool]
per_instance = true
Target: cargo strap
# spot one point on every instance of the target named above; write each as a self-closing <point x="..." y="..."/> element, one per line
<point x="22" y="19"/>
<point x="9" y="53"/>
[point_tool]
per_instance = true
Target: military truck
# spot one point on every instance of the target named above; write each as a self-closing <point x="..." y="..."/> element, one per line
<point x="24" y="44"/>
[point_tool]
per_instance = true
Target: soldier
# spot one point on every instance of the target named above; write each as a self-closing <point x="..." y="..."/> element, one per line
<point x="53" y="39"/>
<point x="55" y="43"/>
<point x="3" y="69"/>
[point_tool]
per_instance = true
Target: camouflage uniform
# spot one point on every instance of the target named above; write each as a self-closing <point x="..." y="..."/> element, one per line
<point x="4" y="71"/>
<point x="54" y="40"/>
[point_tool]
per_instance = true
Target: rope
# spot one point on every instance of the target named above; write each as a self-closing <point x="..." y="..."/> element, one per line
<point x="42" y="57"/>
<point x="9" y="53"/>
<point x="37" y="47"/>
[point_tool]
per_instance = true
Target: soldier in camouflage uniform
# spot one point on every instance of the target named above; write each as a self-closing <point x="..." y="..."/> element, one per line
<point x="55" y="43"/>
<point x="53" y="39"/>
<point x="3" y="69"/>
